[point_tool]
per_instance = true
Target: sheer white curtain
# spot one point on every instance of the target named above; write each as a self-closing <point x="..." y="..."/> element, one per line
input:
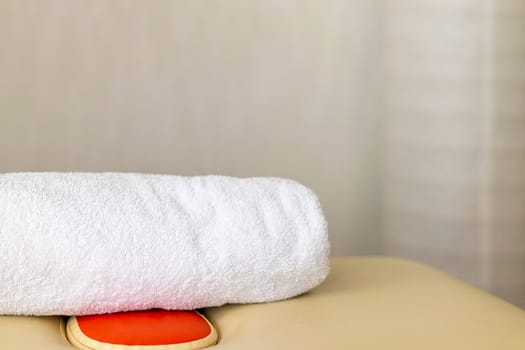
<point x="407" y="117"/>
<point x="455" y="138"/>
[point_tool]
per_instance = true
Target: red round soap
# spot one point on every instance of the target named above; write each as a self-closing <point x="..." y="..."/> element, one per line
<point x="142" y="329"/>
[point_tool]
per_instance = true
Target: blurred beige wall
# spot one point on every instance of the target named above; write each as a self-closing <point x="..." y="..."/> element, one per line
<point x="242" y="88"/>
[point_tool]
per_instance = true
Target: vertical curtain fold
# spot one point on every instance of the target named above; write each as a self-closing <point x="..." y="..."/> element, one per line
<point x="455" y="139"/>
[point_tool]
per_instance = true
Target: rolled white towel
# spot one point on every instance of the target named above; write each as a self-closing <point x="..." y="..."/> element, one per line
<point x="89" y="243"/>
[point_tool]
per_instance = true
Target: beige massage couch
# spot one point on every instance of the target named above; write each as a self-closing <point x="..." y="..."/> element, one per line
<point x="366" y="303"/>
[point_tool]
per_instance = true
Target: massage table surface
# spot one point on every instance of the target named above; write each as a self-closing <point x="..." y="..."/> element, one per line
<point x="366" y="303"/>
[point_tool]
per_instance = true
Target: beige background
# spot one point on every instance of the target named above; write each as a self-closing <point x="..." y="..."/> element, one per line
<point x="407" y="117"/>
<point x="454" y="179"/>
<point x="258" y="88"/>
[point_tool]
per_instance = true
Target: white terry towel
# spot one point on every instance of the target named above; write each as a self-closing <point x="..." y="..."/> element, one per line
<point x="81" y="243"/>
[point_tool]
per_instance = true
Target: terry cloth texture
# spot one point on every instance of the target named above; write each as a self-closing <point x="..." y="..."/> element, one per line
<point x="90" y="243"/>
